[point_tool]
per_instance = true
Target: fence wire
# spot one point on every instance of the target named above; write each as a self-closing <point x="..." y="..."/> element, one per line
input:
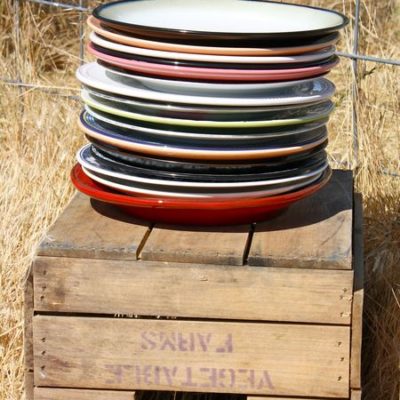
<point x="83" y="9"/>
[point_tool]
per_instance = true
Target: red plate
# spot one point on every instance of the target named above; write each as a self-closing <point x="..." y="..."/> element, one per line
<point x="193" y="211"/>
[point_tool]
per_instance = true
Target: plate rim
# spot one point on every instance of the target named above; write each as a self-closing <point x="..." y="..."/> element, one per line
<point x="250" y="35"/>
<point x="120" y="37"/>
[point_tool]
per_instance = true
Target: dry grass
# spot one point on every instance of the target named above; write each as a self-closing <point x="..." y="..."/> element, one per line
<point x="39" y="137"/>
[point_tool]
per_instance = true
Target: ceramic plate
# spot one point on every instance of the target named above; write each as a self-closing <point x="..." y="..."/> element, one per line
<point x="194" y="211"/>
<point x="309" y="57"/>
<point x="91" y="162"/>
<point x="128" y="127"/>
<point x="209" y="167"/>
<point x="211" y="65"/>
<point x="97" y="158"/>
<point x="109" y="130"/>
<point x="311" y="86"/>
<point x="321" y="111"/>
<point x="214" y="74"/>
<point x="176" y="110"/>
<point x="222" y="20"/>
<point x="306" y="47"/>
<point x="193" y="152"/>
<point x="96" y="76"/>
<point x="140" y="189"/>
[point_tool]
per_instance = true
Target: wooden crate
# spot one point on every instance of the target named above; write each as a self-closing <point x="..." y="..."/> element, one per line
<point x="274" y="310"/>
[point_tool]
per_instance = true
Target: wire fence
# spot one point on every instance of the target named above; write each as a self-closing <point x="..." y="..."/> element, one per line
<point x="83" y="9"/>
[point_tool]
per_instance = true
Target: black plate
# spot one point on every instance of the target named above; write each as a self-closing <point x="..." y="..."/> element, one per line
<point x="217" y="38"/>
<point x="100" y="159"/>
<point x="276" y="164"/>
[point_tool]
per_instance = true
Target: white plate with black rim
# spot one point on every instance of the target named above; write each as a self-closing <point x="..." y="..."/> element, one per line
<point x="236" y="95"/>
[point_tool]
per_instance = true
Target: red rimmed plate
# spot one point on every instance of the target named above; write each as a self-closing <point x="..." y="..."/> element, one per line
<point x="194" y="212"/>
<point x="214" y="74"/>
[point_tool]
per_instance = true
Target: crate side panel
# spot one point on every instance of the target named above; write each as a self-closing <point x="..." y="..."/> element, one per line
<point x="80" y="394"/>
<point x="314" y="233"/>
<point x="225" y="245"/>
<point x="90" y="229"/>
<point x="28" y="335"/>
<point x="358" y="296"/>
<point x="226" y="357"/>
<point x="177" y="290"/>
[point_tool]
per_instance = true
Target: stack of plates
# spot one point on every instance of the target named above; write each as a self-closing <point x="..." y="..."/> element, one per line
<point x="206" y="112"/>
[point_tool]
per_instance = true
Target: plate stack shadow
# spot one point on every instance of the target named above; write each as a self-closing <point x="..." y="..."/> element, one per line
<point x="206" y="113"/>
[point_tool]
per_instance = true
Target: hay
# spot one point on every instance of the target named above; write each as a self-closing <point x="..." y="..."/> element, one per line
<point x="39" y="138"/>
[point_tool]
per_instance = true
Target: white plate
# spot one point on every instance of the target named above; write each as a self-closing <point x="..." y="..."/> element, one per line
<point x="141" y="188"/>
<point x="92" y="165"/>
<point x="310" y="57"/>
<point x="207" y="88"/>
<point x="220" y="16"/>
<point x="317" y="89"/>
<point x="119" y="123"/>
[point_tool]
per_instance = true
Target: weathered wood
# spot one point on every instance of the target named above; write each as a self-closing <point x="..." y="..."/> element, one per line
<point x="177" y="290"/>
<point x="197" y="245"/>
<point x="28" y="335"/>
<point x="314" y="233"/>
<point x="356" y="395"/>
<point x="282" y="398"/>
<point x="110" y="353"/>
<point x="79" y="394"/>
<point x="90" y="229"/>
<point x="358" y="296"/>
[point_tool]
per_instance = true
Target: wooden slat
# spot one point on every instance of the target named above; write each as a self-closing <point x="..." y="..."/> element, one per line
<point x="178" y="290"/>
<point x="79" y="394"/>
<point x="314" y="233"/>
<point x="103" y="232"/>
<point x="110" y="353"/>
<point x="197" y="245"/>
<point x="283" y="398"/>
<point x="358" y="297"/>
<point x="28" y="335"/>
<point x="356" y="395"/>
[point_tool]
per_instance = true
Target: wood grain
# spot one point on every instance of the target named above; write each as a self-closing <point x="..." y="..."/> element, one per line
<point x="28" y="335"/>
<point x="227" y="357"/>
<point x="358" y="296"/>
<point x="177" y="290"/>
<point x="104" y="232"/>
<point x="197" y="245"/>
<point x="356" y="395"/>
<point x="314" y="233"/>
<point x="79" y="394"/>
<point x="283" y="398"/>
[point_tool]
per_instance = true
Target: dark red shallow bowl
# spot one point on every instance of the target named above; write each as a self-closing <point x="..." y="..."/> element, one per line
<point x="193" y="211"/>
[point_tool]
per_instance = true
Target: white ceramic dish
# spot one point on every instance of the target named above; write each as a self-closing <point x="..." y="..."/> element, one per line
<point x="119" y="123"/>
<point x="96" y="76"/>
<point x="220" y="19"/>
<point x="174" y="191"/>
<point x="90" y="163"/>
<point x="214" y="89"/>
<point x="309" y="57"/>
